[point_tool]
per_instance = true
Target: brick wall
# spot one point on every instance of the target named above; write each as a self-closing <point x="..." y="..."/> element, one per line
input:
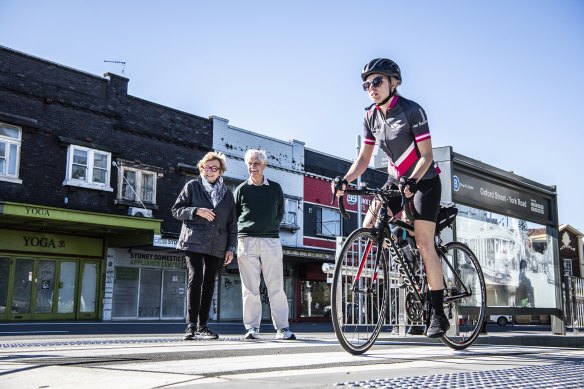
<point x="57" y="106"/>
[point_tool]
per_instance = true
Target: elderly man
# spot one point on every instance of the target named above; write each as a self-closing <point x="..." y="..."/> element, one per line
<point x="259" y="204"/>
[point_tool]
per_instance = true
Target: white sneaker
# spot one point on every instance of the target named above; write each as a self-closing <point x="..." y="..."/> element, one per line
<point x="285" y="334"/>
<point x="252" y="333"/>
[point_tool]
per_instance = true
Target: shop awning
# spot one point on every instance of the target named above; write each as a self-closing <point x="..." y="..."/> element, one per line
<point x="302" y="254"/>
<point x="120" y="231"/>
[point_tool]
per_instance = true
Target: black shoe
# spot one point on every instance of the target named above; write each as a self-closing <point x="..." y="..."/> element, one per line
<point x="438" y="327"/>
<point x="415" y="330"/>
<point x="206" y="333"/>
<point x="189" y="334"/>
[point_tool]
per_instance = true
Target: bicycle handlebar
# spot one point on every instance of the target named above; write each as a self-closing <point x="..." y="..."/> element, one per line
<point x="371" y="191"/>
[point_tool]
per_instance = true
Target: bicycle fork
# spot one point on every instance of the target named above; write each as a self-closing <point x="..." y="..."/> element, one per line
<point x="355" y="287"/>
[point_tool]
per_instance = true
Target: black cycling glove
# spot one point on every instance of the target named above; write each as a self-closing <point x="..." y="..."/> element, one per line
<point x="413" y="184"/>
<point x="339" y="181"/>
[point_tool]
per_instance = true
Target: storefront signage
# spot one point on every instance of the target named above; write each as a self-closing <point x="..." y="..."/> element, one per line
<point x="490" y="195"/>
<point x="307" y="254"/>
<point x="160" y="241"/>
<point x="150" y="259"/>
<point x="38" y="242"/>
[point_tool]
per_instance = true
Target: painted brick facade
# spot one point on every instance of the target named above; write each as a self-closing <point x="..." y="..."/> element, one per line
<point x="285" y="166"/>
<point x="320" y="170"/>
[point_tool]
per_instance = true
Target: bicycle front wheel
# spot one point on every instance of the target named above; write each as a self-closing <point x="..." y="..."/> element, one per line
<point x="359" y="292"/>
<point x="465" y="297"/>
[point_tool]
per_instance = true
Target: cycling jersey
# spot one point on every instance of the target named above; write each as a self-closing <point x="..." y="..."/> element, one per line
<point x="405" y="125"/>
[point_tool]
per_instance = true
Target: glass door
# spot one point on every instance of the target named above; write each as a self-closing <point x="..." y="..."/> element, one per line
<point x="4" y="281"/>
<point x="67" y="289"/>
<point x="20" y="303"/>
<point x="44" y="288"/>
<point x="87" y="307"/>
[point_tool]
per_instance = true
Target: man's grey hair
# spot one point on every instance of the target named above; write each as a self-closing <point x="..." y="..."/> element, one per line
<point x="259" y="154"/>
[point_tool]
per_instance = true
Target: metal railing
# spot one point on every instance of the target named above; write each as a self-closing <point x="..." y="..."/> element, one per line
<point x="575" y="300"/>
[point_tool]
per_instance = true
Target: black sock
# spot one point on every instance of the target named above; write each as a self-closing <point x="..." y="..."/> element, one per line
<point x="437" y="300"/>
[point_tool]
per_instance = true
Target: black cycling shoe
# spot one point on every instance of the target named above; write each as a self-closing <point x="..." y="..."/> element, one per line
<point x="438" y="327"/>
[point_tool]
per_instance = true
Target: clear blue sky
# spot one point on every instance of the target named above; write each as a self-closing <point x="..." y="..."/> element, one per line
<point x="501" y="80"/>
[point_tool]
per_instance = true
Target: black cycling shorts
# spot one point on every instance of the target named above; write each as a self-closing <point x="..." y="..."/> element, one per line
<point x="426" y="201"/>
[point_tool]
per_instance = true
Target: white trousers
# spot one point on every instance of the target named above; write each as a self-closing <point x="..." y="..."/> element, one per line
<point x="257" y="256"/>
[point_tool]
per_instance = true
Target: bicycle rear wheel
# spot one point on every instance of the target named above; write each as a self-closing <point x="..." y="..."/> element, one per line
<point x="465" y="297"/>
<point x="358" y="315"/>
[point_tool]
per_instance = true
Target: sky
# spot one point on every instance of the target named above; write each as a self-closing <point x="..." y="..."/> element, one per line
<point x="501" y="81"/>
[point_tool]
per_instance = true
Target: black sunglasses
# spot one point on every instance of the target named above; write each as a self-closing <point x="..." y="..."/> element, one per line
<point x="376" y="82"/>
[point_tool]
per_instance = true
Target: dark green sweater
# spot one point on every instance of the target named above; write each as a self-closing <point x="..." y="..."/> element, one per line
<point x="259" y="209"/>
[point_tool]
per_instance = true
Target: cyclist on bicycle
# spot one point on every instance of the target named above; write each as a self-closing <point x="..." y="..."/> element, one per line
<point x="400" y="127"/>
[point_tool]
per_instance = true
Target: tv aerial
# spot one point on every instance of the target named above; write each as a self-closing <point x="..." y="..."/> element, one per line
<point x="123" y="63"/>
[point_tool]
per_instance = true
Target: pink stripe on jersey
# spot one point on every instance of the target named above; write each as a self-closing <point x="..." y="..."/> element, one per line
<point x="422" y="137"/>
<point x="368" y="141"/>
<point x="391" y="104"/>
<point x="407" y="162"/>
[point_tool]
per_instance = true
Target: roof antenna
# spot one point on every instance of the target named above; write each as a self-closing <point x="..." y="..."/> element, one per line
<point x="120" y="62"/>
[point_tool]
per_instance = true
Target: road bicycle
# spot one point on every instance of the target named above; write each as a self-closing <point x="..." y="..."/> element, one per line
<point x="371" y="261"/>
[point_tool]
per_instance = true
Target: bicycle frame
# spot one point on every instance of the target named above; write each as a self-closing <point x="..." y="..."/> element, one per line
<point x="382" y="234"/>
<point x="397" y="256"/>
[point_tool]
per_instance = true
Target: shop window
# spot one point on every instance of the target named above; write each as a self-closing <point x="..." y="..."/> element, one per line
<point x="149" y="300"/>
<point x="290" y="219"/>
<point x="316" y="299"/>
<point x="328" y="222"/>
<point x="513" y="254"/>
<point x="137" y="185"/>
<point x="88" y="168"/>
<point x="568" y="267"/>
<point x="10" y="139"/>
<point x="125" y="292"/>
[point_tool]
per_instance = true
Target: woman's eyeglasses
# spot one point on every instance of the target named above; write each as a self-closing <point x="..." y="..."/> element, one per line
<point x="376" y="82"/>
<point x="211" y="168"/>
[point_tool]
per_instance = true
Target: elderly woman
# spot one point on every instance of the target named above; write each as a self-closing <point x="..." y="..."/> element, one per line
<point x="209" y="237"/>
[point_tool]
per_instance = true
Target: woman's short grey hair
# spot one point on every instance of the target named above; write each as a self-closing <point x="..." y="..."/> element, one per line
<point x="259" y="154"/>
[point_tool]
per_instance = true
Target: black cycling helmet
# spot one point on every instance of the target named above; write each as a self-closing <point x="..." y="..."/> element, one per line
<point x="382" y="66"/>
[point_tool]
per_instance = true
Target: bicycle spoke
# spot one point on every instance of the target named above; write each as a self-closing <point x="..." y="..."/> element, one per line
<point x="359" y="292"/>
<point x="465" y="295"/>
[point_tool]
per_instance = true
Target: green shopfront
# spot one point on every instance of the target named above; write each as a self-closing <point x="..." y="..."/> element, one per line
<point x="52" y="260"/>
<point x="48" y="276"/>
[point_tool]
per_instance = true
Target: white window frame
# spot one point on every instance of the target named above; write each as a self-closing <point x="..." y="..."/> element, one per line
<point x="10" y="144"/>
<point x="323" y="230"/>
<point x="140" y="173"/>
<point x="290" y="211"/>
<point x="87" y="182"/>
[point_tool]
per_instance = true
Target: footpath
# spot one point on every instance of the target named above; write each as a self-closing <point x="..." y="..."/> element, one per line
<point x="152" y="355"/>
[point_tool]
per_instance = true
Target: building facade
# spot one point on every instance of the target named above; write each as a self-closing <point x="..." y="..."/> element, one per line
<point x="88" y="174"/>
<point x="323" y="225"/>
<point x="285" y="166"/>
